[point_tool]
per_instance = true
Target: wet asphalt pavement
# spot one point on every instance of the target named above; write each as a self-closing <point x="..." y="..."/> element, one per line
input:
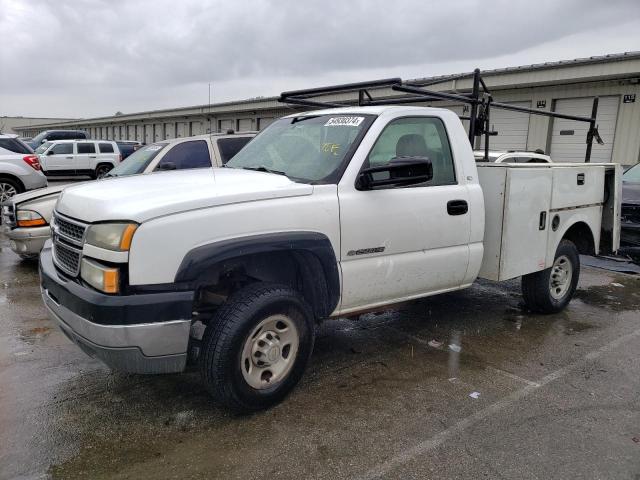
<point x="387" y="395"/>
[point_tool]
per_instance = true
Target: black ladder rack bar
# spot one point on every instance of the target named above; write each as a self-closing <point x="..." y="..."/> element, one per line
<point x="506" y="106"/>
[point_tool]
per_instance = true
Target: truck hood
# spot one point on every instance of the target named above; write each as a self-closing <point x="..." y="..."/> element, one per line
<point x="143" y="197"/>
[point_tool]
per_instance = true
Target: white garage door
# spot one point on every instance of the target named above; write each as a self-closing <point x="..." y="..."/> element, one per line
<point x="182" y="129"/>
<point x="568" y="137"/>
<point x="158" y="132"/>
<point x="169" y="130"/>
<point x="245" y="124"/>
<point x="264" y="122"/>
<point x="512" y="128"/>
<point x="196" y="128"/>
<point x="148" y="133"/>
<point x="224" y="125"/>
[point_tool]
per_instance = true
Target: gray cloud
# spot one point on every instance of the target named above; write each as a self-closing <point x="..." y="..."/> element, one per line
<point x="94" y="57"/>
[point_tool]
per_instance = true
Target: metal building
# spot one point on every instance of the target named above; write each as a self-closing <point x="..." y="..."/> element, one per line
<point x="564" y="86"/>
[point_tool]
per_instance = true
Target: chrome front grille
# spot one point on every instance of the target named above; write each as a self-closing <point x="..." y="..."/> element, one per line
<point x="68" y="238"/>
<point x="8" y="214"/>
<point x="73" y="231"/>
<point x="67" y="258"/>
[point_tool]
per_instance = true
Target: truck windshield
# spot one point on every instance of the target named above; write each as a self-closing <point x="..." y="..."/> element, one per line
<point x="137" y="161"/>
<point x="309" y="149"/>
<point x="43" y="147"/>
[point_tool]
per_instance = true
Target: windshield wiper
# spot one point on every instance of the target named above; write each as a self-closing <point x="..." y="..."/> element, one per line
<point x="262" y="168"/>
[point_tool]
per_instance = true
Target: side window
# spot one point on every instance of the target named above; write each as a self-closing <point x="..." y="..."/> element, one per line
<point x="193" y="154"/>
<point x="62" y="149"/>
<point x="105" y="148"/>
<point x="86" y="148"/>
<point x="230" y="146"/>
<point x="13" y="145"/>
<point x="416" y="137"/>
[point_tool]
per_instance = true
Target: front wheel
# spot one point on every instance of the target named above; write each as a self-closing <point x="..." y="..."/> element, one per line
<point x="550" y="290"/>
<point x="256" y="347"/>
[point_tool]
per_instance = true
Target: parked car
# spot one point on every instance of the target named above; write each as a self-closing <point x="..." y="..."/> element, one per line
<point x="50" y="135"/>
<point x="630" y="212"/>
<point x="127" y="147"/>
<point x="94" y="158"/>
<point x="27" y="216"/>
<point x="513" y="157"/>
<point x="20" y="168"/>
<point x="324" y="214"/>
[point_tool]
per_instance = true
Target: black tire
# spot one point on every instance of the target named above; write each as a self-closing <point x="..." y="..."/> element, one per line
<point x="8" y="185"/>
<point x="227" y="335"/>
<point x="101" y="170"/>
<point x="543" y="296"/>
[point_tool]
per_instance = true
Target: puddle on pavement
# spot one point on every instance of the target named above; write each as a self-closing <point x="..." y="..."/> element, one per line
<point x="622" y="293"/>
<point x="34" y="335"/>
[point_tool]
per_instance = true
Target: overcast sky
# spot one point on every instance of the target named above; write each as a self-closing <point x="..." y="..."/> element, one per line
<point x="89" y="58"/>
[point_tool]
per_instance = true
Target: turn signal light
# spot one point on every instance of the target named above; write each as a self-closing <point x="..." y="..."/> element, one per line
<point x="33" y="161"/>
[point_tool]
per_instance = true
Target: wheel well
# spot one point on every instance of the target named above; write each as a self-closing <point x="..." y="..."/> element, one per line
<point x="104" y="163"/>
<point x="15" y="179"/>
<point x="299" y="269"/>
<point x="582" y="237"/>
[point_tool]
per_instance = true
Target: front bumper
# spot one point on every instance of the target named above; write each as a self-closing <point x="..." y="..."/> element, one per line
<point x="28" y="241"/>
<point x="146" y="333"/>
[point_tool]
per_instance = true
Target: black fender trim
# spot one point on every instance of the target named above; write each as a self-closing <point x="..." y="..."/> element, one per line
<point x="201" y="259"/>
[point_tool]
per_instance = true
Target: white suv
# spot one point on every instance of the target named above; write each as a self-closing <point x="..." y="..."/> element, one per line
<point x="19" y="168"/>
<point x="94" y="158"/>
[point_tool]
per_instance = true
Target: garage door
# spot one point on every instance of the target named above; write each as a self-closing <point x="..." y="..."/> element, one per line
<point x="224" y="125"/>
<point x="512" y="128"/>
<point x="182" y="129"/>
<point x="245" y="125"/>
<point x="169" y="130"/>
<point x="148" y="133"/>
<point x="568" y="138"/>
<point x="158" y="132"/>
<point x="264" y="122"/>
<point x="196" y="128"/>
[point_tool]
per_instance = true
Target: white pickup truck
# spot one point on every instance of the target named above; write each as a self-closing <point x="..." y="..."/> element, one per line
<point x="324" y="214"/>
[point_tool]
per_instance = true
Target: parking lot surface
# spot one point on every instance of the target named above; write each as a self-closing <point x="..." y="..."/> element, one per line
<point x="464" y="385"/>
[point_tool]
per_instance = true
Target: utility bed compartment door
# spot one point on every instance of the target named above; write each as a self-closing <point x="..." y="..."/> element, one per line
<point x="574" y="186"/>
<point x="517" y="203"/>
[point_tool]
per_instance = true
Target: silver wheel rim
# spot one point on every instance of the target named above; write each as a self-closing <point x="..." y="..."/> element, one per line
<point x="7" y="191"/>
<point x="269" y="352"/>
<point x="561" y="276"/>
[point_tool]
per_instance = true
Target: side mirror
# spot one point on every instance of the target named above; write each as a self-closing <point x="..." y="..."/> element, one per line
<point x="50" y="152"/>
<point x="166" y="166"/>
<point x="43" y="140"/>
<point x="400" y="172"/>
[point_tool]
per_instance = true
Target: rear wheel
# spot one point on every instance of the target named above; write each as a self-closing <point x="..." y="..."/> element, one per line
<point x="550" y="290"/>
<point x="256" y="346"/>
<point x="102" y="170"/>
<point x="8" y="188"/>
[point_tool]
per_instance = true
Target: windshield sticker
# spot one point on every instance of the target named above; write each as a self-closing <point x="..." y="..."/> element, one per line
<point x="153" y="148"/>
<point x="331" y="148"/>
<point x="344" y="122"/>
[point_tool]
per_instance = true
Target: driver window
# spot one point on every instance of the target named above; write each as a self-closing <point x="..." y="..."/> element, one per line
<point x="416" y="137"/>
<point x="62" y="149"/>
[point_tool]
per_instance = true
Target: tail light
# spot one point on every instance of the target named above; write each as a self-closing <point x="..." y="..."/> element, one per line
<point x="33" y="161"/>
<point x="120" y="158"/>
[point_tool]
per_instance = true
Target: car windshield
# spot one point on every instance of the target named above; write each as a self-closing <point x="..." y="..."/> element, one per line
<point x="41" y="136"/>
<point x="43" y="148"/>
<point x="137" y="161"/>
<point x="633" y="174"/>
<point x="309" y="149"/>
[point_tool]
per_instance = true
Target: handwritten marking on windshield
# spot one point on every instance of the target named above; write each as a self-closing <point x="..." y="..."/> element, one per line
<point x="331" y="148"/>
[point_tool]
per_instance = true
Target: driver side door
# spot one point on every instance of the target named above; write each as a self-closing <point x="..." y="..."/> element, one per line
<point x="404" y="242"/>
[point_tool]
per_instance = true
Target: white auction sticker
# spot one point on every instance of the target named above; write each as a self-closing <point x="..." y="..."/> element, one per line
<point x="344" y="122"/>
<point x="153" y="148"/>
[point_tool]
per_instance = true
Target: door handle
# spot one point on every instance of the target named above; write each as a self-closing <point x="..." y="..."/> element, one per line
<point x="457" y="207"/>
<point x="92" y="156"/>
<point x="69" y="158"/>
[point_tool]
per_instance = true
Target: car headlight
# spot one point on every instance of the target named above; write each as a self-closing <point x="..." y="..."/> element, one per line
<point x="112" y="236"/>
<point x="29" y="218"/>
<point x="100" y="277"/>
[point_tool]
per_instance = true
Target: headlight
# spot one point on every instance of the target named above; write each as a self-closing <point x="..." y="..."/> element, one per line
<point x="112" y="236"/>
<point x="105" y="279"/>
<point x="29" y="218"/>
